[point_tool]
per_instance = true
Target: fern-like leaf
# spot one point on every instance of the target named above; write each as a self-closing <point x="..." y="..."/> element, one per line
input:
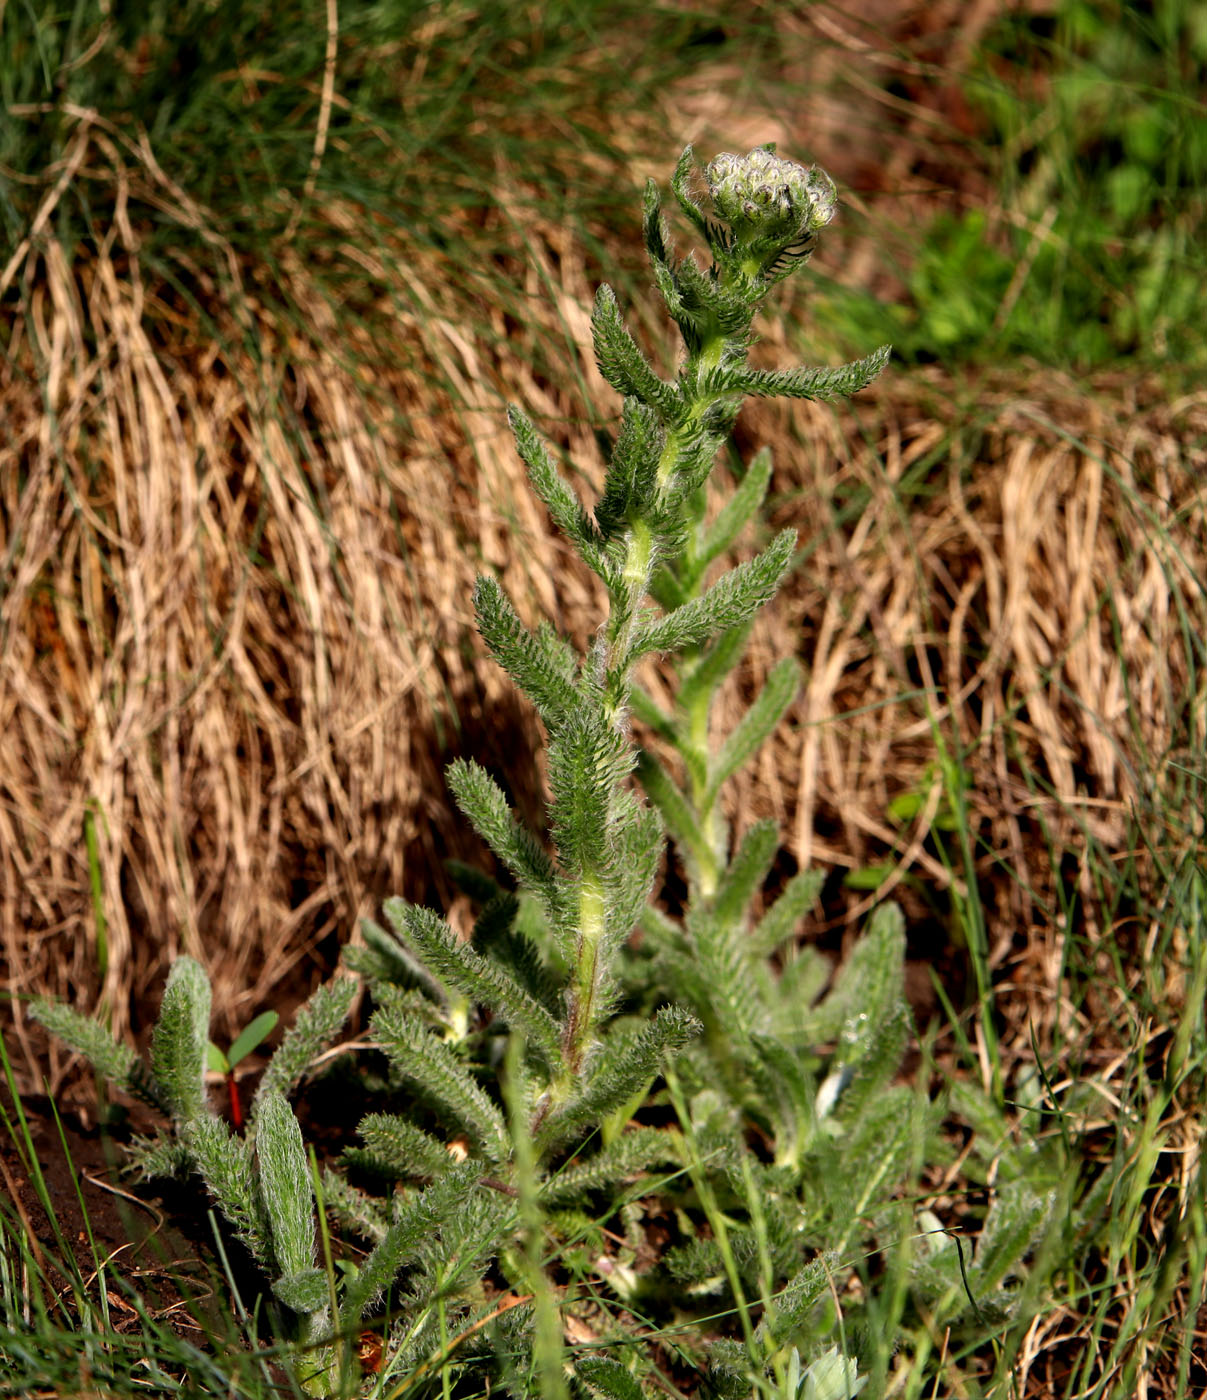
<point x="808" y="382"/>
<point x="396" y="1144"/>
<point x="180" y="1039"/>
<point x="756" y="726"/>
<point x="420" y="1218"/>
<point x="621" y="362"/>
<point x="563" y="505"/>
<point x="314" y="1027"/>
<point x="628" y="1064"/>
<point x="225" y="1164"/>
<point x="627" y="1155"/>
<point x="536" y="663"/>
<point x="476" y="977"/>
<point x="735" y="596"/>
<point x="779" y="923"/>
<point x="431" y="1065"/>
<point x="483" y="802"/>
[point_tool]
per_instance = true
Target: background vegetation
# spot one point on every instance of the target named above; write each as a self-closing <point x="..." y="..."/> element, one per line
<point x="270" y="276"/>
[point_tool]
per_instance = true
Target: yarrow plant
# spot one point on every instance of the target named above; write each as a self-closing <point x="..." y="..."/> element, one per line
<point x="509" y="1083"/>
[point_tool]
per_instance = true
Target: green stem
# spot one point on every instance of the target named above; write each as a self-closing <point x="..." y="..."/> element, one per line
<point x="592" y="921"/>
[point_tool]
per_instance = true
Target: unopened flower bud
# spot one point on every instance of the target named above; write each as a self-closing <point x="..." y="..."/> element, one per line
<point x="762" y="195"/>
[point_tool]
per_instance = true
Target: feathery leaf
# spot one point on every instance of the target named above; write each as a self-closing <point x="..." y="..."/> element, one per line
<point x="431" y="1065"/>
<point x="809" y="382"/>
<point x="314" y="1027"/>
<point x="735" y="596"/>
<point x="476" y="977"/>
<point x="534" y="662"/>
<point x="622" y="363"/>
<point x="756" y="726"/>
<point x="180" y="1040"/>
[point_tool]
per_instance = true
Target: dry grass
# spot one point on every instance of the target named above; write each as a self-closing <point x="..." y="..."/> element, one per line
<point x="236" y="558"/>
<point x="236" y="618"/>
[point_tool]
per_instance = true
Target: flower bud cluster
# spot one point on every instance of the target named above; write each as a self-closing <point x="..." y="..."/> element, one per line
<point x="763" y="196"/>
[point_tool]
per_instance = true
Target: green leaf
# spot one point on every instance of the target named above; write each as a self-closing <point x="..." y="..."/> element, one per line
<point x="652" y="715"/>
<point x="804" y="1290"/>
<point x="638" y="843"/>
<point x="86" y="1036"/>
<point x="756" y="726"/>
<point x="215" y="1059"/>
<point x="623" y="365"/>
<point x="588" y="760"/>
<point x="563" y="505"/>
<point x="721" y="951"/>
<point x="355" y="1210"/>
<point x="745" y="873"/>
<point x="630" y="490"/>
<point x="630" y="1153"/>
<point x="1016" y="1221"/>
<point x="785" y="1093"/>
<point x="715" y="662"/>
<point x="306" y="1291"/>
<point x="476" y="977"/>
<point x="534" y="662"/>
<point x="681" y="189"/>
<point x="483" y="802"/>
<point x="807" y="382"/>
<point x="285" y="1185"/>
<point x="676" y="811"/>
<point x="251" y="1036"/>
<point x="314" y="1027"/>
<point x="406" y="1150"/>
<point x="779" y="923"/>
<point x="869" y="877"/>
<point x="419" y="1221"/>
<point x="734" y="514"/>
<point x="496" y="936"/>
<point x="628" y="1063"/>
<point x="179" y="1041"/>
<point x="735" y="596"/>
<point x="225" y="1164"/>
<point x="431" y="1065"/>
<point x="607" y="1378"/>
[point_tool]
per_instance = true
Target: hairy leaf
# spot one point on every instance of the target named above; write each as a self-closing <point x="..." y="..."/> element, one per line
<point x="808" y="382"/>
<point x="628" y="1064"/>
<point x="110" y="1058"/>
<point x="756" y="726"/>
<point x="431" y="1065"/>
<point x="483" y="802"/>
<point x="534" y="662"/>
<point x="745" y="873"/>
<point x="563" y="505"/>
<point x="622" y="363"/>
<point x="180" y="1040"/>
<point x="779" y="923"/>
<point x="395" y="1142"/>
<point x="735" y="596"/>
<point x="629" y="1154"/>
<point x="734" y="514"/>
<point x="225" y="1164"/>
<point x="315" y="1026"/>
<point x="476" y="977"/>
<point x="285" y="1185"/>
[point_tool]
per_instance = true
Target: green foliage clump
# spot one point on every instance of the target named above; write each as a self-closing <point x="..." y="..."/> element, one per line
<point x="517" y="1063"/>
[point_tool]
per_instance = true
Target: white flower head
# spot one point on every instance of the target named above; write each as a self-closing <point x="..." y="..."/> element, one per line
<point x="763" y="195"/>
